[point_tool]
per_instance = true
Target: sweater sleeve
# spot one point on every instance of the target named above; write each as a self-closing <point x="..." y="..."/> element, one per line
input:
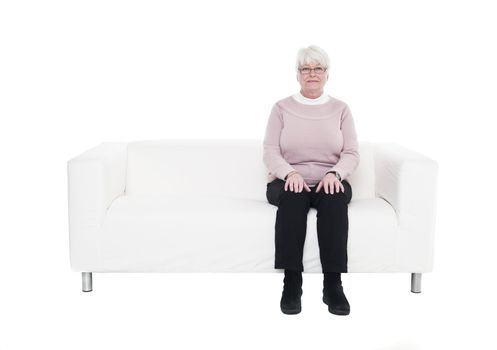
<point x="349" y="157"/>
<point x="272" y="157"/>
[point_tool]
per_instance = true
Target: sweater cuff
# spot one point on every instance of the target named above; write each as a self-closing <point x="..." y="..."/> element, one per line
<point x="283" y="171"/>
<point x="338" y="171"/>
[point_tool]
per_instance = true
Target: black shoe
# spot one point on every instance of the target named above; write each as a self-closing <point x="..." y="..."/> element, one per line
<point x="290" y="303"/>
<point x="334" y="297"/>
<point x="336" y="300"/>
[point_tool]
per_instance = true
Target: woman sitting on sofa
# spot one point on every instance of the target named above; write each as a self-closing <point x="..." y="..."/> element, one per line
<point x="310" y="148"/>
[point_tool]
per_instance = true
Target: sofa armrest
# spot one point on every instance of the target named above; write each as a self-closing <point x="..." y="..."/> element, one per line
<point x="408" y="181"/>
<point x="95" y="178"/>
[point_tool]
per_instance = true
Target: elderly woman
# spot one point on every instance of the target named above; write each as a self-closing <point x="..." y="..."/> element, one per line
<point x="310" y="148"/>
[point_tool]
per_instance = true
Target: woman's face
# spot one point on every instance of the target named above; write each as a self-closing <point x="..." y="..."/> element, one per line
<point x="312" y="80"/>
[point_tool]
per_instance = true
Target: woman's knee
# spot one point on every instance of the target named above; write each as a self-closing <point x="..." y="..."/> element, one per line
<point x="334" y="199"/>
<point x="294" y="198"/>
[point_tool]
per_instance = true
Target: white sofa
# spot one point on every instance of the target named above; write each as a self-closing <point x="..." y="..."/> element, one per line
<point x="200" y="206"/>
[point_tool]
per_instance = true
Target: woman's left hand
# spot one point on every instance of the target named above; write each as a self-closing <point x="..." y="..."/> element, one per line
<point x="330" y="182"/>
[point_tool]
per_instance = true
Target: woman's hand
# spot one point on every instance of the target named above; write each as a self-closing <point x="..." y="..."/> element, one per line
<point x="296" y="183"/>
<point x="330" y="181"/>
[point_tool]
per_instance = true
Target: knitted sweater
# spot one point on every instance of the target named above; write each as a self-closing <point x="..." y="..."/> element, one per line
<point x="311" y="139"/>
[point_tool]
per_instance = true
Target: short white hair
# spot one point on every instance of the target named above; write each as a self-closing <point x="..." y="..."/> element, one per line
<point x="312" y="54"/>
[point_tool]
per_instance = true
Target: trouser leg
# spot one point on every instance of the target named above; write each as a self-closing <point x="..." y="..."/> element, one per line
<point x="290" y="226"/>
<point x="332" y="227"/>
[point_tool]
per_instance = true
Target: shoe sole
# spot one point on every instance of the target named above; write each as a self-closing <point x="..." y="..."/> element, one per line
<point x="335" y="311"/>
<point x="295" y="311"/>
<point x="291" y="311"/>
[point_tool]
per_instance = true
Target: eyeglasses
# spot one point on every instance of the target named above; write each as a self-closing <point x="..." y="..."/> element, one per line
<point x="317" y="70"/>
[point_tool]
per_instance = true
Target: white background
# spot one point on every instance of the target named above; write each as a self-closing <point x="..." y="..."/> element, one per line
<point x="74" y="74"/>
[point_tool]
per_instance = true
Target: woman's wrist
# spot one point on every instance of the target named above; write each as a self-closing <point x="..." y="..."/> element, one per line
<point x="291" y="173"/>
<point x="337" y="175"/>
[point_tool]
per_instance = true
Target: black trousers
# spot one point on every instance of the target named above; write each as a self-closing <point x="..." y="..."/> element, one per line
<point x="291" y="225"/>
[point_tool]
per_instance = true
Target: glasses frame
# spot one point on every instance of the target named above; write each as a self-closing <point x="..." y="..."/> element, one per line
<point x="313" y="70"/>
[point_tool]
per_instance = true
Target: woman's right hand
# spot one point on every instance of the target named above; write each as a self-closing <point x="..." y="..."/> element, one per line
<point x="295" y="182"/>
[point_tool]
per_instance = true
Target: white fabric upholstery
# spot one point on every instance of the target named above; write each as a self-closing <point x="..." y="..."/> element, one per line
<point x="143" y="207"/>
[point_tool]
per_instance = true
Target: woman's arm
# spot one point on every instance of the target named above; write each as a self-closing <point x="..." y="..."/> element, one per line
<point x="349" y="157"/>
<point x="272" y="157"/>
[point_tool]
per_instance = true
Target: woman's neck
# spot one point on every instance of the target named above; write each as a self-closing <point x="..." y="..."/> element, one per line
<point x="311" y="94"/>
<point x="311" y="101"/>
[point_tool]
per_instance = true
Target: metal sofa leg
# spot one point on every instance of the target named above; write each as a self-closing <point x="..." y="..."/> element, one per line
<point x="87" y="281"/>
<point x="416" y="282"/>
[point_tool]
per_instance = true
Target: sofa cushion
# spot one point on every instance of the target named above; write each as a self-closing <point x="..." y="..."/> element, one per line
<point x="209" y="167"/>
<point x="184" y="233"/>
<point x="363" y="178"/>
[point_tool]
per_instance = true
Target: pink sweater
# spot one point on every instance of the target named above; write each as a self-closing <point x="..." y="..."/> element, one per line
<point x="311" y="139"/>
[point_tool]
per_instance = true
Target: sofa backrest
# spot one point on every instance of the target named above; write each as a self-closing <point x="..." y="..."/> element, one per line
<point x="230" y="168"/>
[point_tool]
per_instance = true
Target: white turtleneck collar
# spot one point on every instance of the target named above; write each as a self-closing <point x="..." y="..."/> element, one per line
<point x="311" y="101"/>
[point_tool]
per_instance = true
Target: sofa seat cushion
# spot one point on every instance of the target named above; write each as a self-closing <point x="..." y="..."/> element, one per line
<point x="174" y="233"/>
